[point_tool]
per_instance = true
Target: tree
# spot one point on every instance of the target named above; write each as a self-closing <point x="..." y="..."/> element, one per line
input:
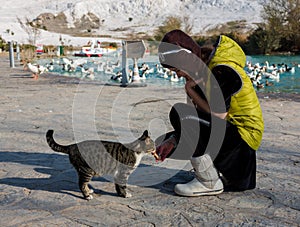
<point x="258" y="42"/>
<point x="2" y="44"/>
<point x="32" y="31"/>
<point x="282" y="19"/>
<point x="294" y="24"/>
<point x="172" y="23"/>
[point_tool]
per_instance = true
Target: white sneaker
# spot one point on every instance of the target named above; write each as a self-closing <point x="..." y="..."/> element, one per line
<point x="196" y="188"/>
<point x="206" y="182"/>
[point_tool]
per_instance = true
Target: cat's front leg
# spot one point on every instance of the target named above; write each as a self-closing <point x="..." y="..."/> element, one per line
<point x="121" y="190"/>
<point x="121" y="178"/>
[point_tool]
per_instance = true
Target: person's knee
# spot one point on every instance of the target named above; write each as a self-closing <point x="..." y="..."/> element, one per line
<point x="178" y="107"/>
<point x="175" y="111"/>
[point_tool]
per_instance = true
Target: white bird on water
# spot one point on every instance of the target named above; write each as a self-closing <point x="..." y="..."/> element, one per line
<point x="174" y="77"/>
<point x="88" y="72"/>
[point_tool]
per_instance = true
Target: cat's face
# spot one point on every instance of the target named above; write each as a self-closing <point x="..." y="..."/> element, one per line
<point x="147" y="145"/>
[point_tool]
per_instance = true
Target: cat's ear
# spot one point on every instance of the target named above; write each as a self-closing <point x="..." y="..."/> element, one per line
<point x="146" y="133"/>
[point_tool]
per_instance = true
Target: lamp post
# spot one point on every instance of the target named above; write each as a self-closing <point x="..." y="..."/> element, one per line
<point x="134" y="50"/>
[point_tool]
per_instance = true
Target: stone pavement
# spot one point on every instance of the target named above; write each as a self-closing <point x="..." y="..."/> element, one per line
<point x="38" y="187"/>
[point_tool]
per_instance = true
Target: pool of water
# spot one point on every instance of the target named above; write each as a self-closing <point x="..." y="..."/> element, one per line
<point x="288" y="82"/>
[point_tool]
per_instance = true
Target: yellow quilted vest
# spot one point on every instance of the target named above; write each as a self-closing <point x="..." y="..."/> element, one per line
<point x="244" y="111"/>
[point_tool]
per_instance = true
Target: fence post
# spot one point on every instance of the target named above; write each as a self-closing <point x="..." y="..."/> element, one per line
<point x="124" y="64"/>
<point x="18" y="52"/>
<point x="11" y="54"/>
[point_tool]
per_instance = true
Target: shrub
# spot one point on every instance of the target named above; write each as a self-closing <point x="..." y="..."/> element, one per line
<point x="169" y="24"/>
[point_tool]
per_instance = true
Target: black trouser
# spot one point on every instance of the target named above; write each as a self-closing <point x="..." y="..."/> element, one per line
<point x="198" y="133"/>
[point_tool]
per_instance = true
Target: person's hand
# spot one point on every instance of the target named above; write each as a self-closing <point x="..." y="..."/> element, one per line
<point x="165" y="148"/>
<point x="190" y="86"/>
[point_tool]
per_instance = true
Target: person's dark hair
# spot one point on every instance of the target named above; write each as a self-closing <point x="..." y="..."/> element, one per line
<point x="206" y="52"/>
<point x="180" y="39"/>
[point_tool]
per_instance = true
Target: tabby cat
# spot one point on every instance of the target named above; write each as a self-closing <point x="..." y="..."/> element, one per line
<point x="96" y="157"/>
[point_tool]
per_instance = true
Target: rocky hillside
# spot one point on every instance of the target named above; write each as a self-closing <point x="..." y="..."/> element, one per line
<point x="59" y="23"/>
<point x="120" y="18"/>
<point x="144" y="16"/>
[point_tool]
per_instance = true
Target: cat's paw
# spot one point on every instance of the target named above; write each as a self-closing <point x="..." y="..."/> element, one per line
<point x="125" y="194"/>
<point x="89" y="197"/>
<point x="91" y="191"/>
<point x="128" y="195"/>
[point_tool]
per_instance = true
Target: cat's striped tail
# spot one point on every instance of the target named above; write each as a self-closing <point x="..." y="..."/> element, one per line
<point x="55" y="146"/>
